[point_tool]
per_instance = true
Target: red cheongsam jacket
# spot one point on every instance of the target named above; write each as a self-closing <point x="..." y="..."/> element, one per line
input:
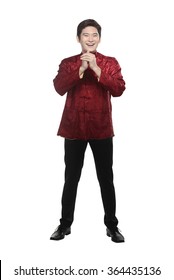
<point x="88" y="112"/>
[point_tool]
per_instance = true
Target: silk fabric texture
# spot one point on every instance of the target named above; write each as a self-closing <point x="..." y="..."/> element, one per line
<point x="88" y="111"/>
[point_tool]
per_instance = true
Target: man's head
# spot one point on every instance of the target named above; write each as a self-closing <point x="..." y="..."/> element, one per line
<point x="88" y="35"/>
<point x="86" y="23"/>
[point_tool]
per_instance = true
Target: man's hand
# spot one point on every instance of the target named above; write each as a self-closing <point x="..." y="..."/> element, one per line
<point x="83" y="67"/>
<point x="84" y="64"/>
<point x="89" y="59"/>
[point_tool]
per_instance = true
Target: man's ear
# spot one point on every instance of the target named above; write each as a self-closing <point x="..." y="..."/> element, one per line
<point x="77" y="38"/>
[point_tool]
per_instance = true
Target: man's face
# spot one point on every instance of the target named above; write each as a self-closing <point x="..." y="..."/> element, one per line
<point x="89" y="39"/>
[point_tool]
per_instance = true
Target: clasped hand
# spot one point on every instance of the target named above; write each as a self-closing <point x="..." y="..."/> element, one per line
<point x="88" y="59"/>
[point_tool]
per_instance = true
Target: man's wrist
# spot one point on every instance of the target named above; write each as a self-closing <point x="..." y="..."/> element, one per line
<point x="81" y="72"/>
<point x="97" y="71"/>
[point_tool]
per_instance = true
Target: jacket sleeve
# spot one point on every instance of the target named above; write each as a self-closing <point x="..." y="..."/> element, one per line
<point x="67" y="76"/>
<point x="111" y="78"/>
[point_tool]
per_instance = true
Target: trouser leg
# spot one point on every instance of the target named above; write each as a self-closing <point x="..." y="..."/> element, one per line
<point x="74" y="158"/>
<point x="103" y="156"/>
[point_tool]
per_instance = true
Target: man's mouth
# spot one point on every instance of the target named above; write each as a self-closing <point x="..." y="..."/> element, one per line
<point x="90" y="45"/>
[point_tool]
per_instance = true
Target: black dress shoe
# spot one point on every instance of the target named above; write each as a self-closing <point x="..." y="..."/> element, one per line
<point x="60" y="233"/>
<point x="115" y="235"/>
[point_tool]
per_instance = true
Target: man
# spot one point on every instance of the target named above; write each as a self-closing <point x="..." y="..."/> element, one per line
<point x="90" y="79"/>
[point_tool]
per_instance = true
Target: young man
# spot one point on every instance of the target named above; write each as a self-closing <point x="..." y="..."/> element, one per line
<point x="90" y="79"/>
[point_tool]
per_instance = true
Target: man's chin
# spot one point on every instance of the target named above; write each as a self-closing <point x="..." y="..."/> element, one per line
<point x="91" y="50"/>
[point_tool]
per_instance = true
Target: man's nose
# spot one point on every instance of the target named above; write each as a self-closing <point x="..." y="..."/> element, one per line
<point x="90" y="38"/>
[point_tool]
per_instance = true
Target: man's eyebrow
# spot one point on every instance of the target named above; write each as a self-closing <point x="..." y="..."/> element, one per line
<point x="95" y="33"/>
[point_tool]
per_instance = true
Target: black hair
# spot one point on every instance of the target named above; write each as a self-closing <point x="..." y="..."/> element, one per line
<point x="86" y="23"/>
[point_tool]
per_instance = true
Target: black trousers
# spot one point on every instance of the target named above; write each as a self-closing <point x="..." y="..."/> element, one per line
<point x="74" y="158"/>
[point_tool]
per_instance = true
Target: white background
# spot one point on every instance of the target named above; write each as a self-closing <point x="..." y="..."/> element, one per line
<point x="35" y="37"/>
